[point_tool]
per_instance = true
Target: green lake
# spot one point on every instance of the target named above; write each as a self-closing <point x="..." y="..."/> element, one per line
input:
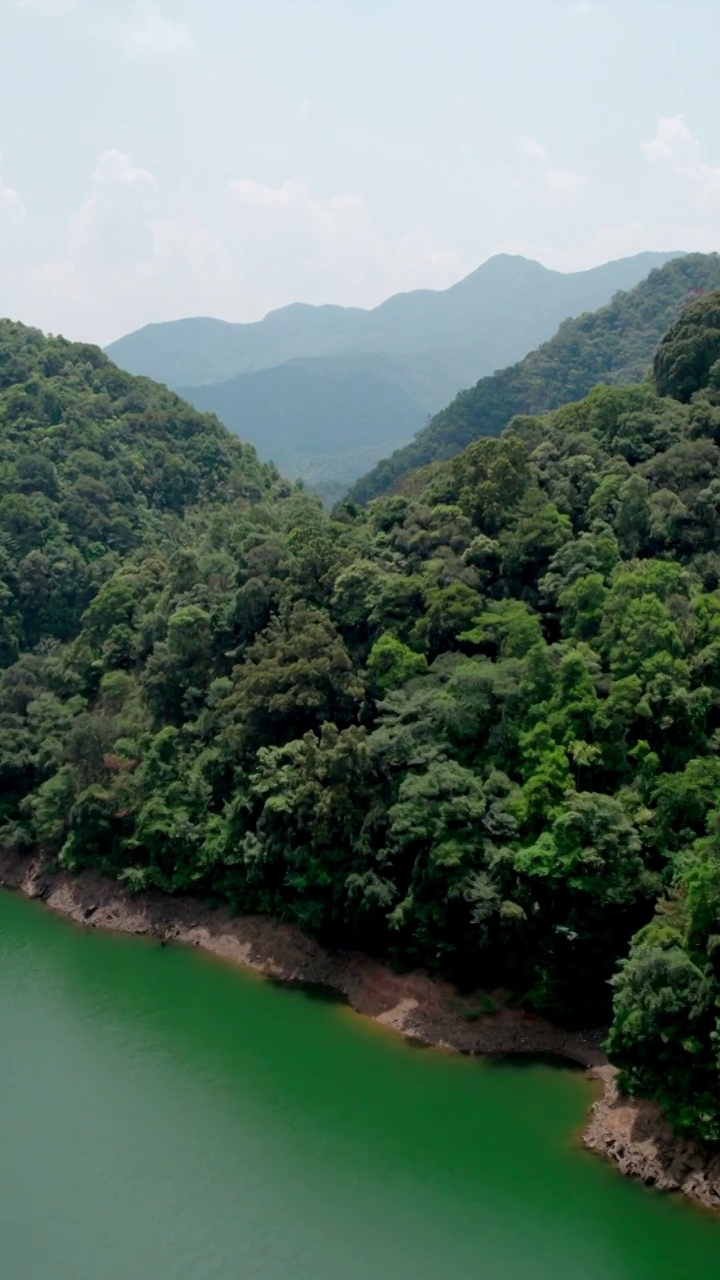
<point x="165" y="1117"/>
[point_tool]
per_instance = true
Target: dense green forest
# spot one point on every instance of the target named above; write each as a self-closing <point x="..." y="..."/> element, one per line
<point x="614" y="345"/>
<point x="93" y="464"/>
<point x="473" y="727"/>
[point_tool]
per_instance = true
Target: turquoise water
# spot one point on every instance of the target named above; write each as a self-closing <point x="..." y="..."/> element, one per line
<point x="164" y="1117"/>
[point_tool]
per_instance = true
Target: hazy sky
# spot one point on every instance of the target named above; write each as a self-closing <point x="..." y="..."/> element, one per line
<point x="161" y="158"/>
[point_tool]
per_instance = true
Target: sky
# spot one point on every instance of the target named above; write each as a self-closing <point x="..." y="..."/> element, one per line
<point x="165" y="158"/>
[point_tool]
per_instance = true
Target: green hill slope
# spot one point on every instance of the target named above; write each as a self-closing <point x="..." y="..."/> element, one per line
<point x="613" y="345"/>
<point x="93" y="463"/>
<point x="474" y="727"/>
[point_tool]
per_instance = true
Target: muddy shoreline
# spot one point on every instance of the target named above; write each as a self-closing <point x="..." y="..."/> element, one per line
<point x="632" y="1134"/>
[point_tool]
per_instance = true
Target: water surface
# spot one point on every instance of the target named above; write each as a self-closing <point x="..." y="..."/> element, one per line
<point x="164" y="1117"/>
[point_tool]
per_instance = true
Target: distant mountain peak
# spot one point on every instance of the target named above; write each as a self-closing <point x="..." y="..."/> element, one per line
<point x="501" y="260"/>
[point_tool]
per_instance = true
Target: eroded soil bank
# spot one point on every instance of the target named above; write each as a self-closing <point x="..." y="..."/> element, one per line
<point x="632" y="1134"/>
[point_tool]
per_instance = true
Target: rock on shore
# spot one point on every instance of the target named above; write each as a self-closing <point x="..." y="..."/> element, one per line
<point x="635" y="1135"/>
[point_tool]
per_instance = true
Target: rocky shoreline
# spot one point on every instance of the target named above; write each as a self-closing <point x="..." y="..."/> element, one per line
<point x="632" y="1134"/>
<point x="635" y="1135"/>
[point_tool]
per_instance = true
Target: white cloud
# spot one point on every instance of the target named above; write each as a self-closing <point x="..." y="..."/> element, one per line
<point x="115" y="168"/>
<point x="109" y="252"/>
<point x="675" y="147"/>
<point x="135" y="252"/>
<point x="553" y="188"/>
<point x="248" y="192"/>
<point x="547" y="185"/>
<point x="673" y="144"/>
<point x="582" y="7"/>
<point x="149" y="34"/>
<point x="529" y="147"/>
<point x="330" y="247"/>
<point x="564" y="180"/>
<point x="11" y="203"/>
<point x="50" y="8"/>
<point x="114" y="215"/>
<point x="620" y="240"/>
<point x="181" y="243"/>
<point x="11" y="206"/>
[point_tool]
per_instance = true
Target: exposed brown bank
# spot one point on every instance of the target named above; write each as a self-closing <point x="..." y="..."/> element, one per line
<point x="633" y="1134"/>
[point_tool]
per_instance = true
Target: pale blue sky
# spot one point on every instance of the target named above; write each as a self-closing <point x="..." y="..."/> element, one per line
<point x="162" y="158"/>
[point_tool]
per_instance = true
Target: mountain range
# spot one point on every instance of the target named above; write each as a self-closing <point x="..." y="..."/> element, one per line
<point x="328" y="391"/>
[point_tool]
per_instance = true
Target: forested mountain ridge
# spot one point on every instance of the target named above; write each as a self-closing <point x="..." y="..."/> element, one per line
<point x="326" y="392"/>
<point x="613" y="345"/>
<point x="497" y="313"/>
<point x="474" y="728"/>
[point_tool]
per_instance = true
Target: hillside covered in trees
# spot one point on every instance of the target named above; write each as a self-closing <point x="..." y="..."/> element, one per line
<point x="93" y="464"/>
<point x="614" y="345"/>
<point x="475" y="727"/>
